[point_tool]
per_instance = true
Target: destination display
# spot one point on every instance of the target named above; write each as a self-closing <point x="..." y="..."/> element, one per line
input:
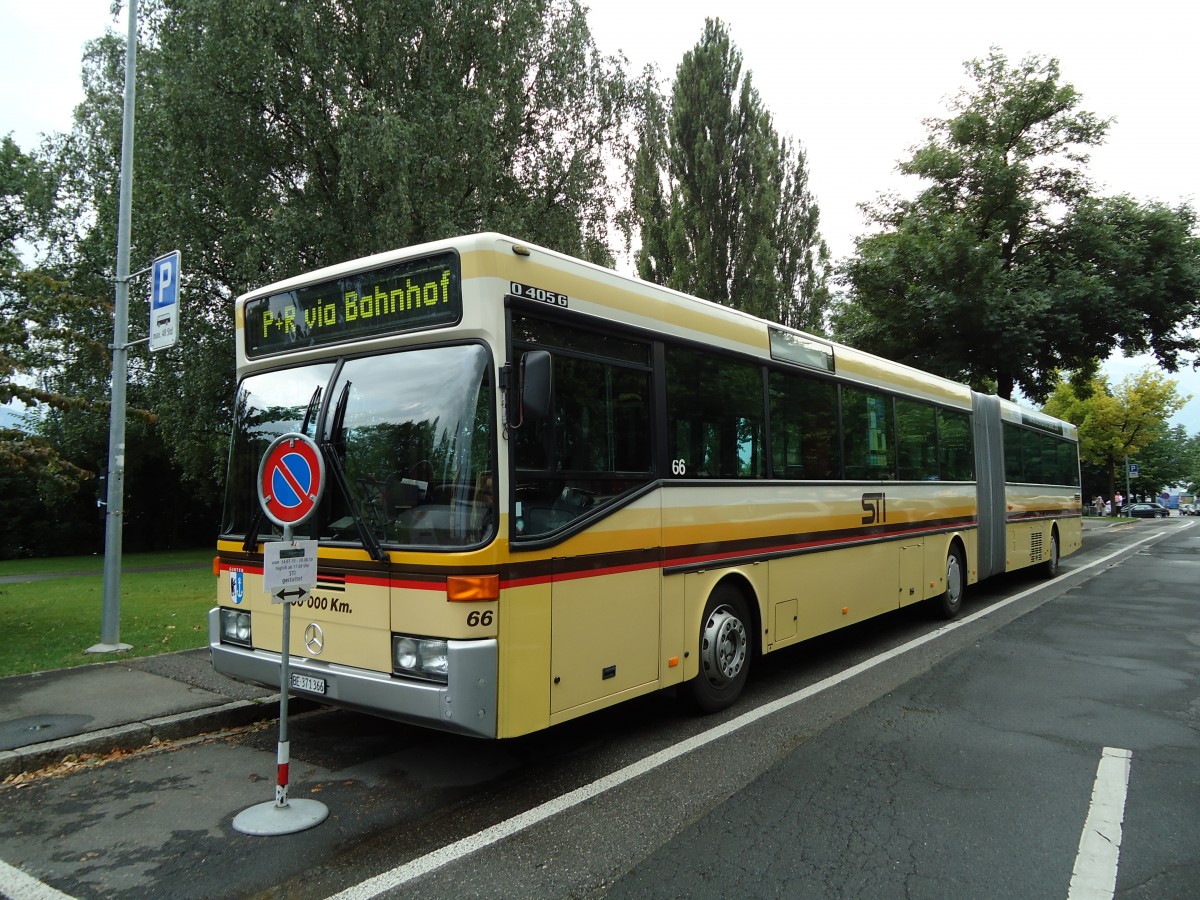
<point x="415" y="294"/>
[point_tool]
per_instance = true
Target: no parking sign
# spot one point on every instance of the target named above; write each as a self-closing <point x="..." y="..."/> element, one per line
<point x="291" y="479"/>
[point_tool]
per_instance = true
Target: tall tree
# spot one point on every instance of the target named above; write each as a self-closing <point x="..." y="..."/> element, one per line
<point x="721" y="202"/>
<point x="278" y="137"/>
<point x="1117" y="423"/>
<point x="1005" y="269"/>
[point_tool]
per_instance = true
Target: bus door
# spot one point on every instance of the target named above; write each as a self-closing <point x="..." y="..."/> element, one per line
<point x="581" y="478"/>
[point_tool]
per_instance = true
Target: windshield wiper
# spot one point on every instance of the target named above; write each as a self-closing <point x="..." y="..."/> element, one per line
<point x="250" y="544"/>
<point x="313" y="403"/>
<point x="334" y="461"/>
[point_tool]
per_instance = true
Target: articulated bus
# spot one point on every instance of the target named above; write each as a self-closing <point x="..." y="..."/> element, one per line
<point x="551" y="488"/>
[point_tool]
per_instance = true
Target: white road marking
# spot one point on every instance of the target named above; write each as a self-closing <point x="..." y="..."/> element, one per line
<point x="1095" y="873"/>
<point x="431" y="862"/>
<point x="16" y="885"/>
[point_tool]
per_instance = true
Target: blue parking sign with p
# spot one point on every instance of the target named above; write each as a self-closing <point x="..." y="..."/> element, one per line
<point x="164" y="301"/>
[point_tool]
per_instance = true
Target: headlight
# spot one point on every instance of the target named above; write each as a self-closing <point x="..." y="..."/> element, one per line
<point x="235" y="627"/>
<point x="406" y="654"/>
<point x="420" y="658"/>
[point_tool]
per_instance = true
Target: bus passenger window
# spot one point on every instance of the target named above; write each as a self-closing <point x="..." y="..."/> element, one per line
<point x="956" y="449"/>
<point x="916" y="430"/>
<point x="804" y="419"/>
<point x="867" y="423"/>
<point x="714" y="416"/>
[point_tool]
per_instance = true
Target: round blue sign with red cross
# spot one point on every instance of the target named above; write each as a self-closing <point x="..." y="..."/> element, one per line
<point x="291" y="479"/>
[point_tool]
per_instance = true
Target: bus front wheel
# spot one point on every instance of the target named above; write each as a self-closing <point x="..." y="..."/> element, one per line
<point x="725" y="651"/>
<point x="950" y="601"/>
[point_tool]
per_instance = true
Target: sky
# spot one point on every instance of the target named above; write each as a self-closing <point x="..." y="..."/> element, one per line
<point x="851" y="80"/>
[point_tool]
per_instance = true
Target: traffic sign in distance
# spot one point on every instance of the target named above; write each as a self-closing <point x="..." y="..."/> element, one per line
<point x="291" y="479"/>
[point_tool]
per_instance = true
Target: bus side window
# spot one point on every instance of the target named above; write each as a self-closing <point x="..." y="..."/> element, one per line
<point x="916" y="428"/>
<point x="714" y="416"/>
<point x="595" y="443"/>
<point x="956" y="449"/>
<point x="867" y="423"/>
<point x="804" y="417"/>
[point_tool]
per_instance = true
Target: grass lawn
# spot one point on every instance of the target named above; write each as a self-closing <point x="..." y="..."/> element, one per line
<point x="48" y="624"/>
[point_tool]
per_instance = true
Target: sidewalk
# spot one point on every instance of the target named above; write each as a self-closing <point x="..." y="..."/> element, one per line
<point x="122" y="705"/>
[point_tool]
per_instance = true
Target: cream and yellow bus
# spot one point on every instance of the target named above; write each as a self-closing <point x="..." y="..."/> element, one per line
<point x="551" y="488"/>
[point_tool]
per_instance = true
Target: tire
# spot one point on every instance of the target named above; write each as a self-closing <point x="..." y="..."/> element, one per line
<point x="1049" y="568"/>
<point x="950" y="601"/>
<point x="726" y="648"/>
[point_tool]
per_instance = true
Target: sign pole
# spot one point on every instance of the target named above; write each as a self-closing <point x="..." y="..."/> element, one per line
<point x="283" y="751"/>
<point x="291" y="480"/>
<point x="1128" y="495"/>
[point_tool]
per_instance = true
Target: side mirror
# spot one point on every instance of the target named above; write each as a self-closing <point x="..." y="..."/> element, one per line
<point x="536" y="386"/>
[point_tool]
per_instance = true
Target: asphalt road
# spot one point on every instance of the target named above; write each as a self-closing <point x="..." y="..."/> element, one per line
<point x="897" y="758"/>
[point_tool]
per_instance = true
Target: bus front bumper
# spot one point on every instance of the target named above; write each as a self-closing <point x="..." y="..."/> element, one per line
<point x="465" y="705"/>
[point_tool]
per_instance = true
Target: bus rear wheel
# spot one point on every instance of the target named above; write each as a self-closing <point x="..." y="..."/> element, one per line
<point x="1049" y="568"/>
<point x="949" y="602"/>
<point x="725" y="651"/>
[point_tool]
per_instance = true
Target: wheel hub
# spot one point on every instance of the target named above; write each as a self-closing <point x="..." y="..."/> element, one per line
<point x="723" y="650"/>
<point x="953" y="577"/>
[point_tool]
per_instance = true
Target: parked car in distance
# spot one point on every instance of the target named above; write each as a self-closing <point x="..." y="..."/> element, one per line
<point x="1145" y="510"/>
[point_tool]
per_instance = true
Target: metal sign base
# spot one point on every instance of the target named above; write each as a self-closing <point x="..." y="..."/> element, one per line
<point x="108" y="648"/>
<point x="269" y="818"/>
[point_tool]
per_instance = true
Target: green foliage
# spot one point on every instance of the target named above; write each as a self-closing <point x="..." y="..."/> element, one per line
<point x="327" y="131"/>
<point x="720" y="200"/>
<point x="1121" y="423"/>
<point x="1005" y="270"/>
<point x="1190" y="480"/>
<point x="1166" y="461"/>
<point x="272" y="138"/>
<point x="34" y="335"/>
<point x="1139" y="265"/>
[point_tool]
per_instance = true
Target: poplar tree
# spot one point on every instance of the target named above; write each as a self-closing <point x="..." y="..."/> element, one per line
<point x="720" y="201"/>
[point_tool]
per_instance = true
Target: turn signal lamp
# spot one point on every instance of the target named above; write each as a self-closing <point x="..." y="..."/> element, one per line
<point x="472" y="588"/>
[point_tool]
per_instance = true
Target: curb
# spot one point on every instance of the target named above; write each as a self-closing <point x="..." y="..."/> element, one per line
<point x="137" y="735"/>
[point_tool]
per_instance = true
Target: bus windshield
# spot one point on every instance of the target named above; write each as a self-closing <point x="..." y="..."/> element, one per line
<point x="408" y="442"/>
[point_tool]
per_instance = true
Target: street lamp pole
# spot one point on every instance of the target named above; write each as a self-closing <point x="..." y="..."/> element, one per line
<point x="110" y="625"/>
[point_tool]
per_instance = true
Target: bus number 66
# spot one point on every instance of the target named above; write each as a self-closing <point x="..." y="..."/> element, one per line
<point x="476" y="618"/>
